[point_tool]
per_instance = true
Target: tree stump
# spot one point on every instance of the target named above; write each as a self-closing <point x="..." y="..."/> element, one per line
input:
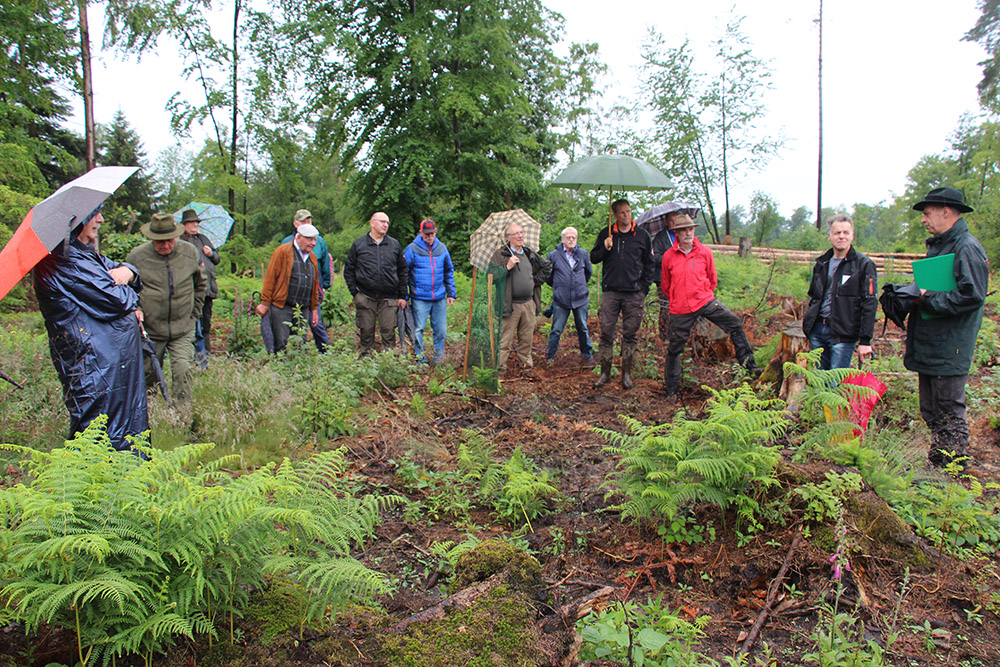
<point x="745" y="246"/>
<point x="793" y="341"/>
<point x="710" y="342"/>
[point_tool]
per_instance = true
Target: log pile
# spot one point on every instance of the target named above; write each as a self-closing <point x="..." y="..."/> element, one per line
<point x="899" y="262"/>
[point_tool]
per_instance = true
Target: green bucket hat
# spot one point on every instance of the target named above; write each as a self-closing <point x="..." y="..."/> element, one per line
<point x="162" y="228"/>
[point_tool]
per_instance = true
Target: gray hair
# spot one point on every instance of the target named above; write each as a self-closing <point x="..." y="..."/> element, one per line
<point x="839" y="217"/>
<point x="569" y="229"/>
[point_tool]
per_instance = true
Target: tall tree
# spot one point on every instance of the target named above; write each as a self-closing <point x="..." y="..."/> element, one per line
<point x="706" y="127"/>
<point x="246" y="78"/>
<point x="120" y="145"/>
<point x="38" y="57"/>
<point x="819" y="157"/>
<point x="986" y="32"/>
<point x="446" y="110"/>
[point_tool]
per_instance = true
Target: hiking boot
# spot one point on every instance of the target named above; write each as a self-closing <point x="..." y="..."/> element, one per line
<point x="605" y="375"/>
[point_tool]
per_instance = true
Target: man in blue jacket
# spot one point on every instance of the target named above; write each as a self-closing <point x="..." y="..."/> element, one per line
<point x="432" y="288"/>
<point x="941" y="333"/>
<point x="304" y="217"/>
<point x="571" y="270"/>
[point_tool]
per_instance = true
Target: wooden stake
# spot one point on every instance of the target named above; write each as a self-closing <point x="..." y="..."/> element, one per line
<point x="468" y="328"/>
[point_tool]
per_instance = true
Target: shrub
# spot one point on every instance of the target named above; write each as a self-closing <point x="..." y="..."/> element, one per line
<point x="128" y="554"/>
<point x="728" y="457"/>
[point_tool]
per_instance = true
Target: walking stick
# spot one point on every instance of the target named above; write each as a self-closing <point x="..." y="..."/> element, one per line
<point x="468" y="328"/>
<point x="489" y="308"/>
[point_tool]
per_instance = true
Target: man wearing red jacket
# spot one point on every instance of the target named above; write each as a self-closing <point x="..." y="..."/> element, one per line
<point x="688" y="279"/>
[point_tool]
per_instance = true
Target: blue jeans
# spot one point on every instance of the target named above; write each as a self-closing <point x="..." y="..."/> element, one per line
<point x="560" y="316"/>
<point x="835" y="355"/>
<point x="438" y="312"/>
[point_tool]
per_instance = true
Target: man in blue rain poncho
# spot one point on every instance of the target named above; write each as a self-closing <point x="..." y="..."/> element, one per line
<point x="89" y="302"/>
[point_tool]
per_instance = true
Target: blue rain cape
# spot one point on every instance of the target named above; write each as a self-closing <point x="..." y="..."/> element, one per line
<point x="94" y="338"/>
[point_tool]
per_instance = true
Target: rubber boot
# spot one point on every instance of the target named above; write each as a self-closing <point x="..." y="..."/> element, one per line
<point x="628" y="358"/>
<point x="605" y="377"/>
<point x="672" y="376"/>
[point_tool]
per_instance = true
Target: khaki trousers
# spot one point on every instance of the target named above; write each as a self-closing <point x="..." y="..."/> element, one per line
<point x="522" y="323"/>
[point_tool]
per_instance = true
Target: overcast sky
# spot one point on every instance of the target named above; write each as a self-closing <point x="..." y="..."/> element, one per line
<point x="896" y="76"/>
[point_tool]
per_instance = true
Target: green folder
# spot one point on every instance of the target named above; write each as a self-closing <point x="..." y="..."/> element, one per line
<point x="936" y="274"/>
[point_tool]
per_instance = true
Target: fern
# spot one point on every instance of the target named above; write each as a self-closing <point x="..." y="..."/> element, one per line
<point x="727" y="457"/>
<point x="130" y="554"/>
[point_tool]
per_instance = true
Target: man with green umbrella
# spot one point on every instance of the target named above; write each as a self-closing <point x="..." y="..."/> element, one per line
<point x="629" y="270"/>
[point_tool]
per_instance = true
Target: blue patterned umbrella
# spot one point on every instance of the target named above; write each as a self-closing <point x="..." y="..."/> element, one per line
<point x="215" y="221"/>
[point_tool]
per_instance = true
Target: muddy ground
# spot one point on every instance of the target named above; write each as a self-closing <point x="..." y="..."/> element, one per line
<point x="583" y="547"/>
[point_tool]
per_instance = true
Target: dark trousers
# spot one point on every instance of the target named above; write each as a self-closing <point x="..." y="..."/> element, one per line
<point x="320" y="337"/>
<point x="282" y="321"/>
<point x="628" y="305"/>
<point x="942" y="405"/>
<point x="206" y="324"/>
<point x="369" y="312"/>
<point x="680" y="330"/>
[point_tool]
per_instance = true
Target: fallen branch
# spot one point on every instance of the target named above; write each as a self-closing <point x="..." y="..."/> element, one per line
<point x="460" y="600"/>
<point x="771" y="594"/>
<point x="480" y="399"/>
<point x="8" y="379"/>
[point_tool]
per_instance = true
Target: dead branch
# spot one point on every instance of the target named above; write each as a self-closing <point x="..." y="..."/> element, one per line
<point x="771" y="594"/>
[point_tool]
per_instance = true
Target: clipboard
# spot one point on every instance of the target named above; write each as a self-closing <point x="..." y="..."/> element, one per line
<point x="936" y="274"/>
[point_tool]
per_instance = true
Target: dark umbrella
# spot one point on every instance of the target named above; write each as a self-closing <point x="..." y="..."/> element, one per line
<point x="654" y="220"/>
<point x="266" y="333"/>
<point x="149" y="349"/>
<point x="50" y="221"/>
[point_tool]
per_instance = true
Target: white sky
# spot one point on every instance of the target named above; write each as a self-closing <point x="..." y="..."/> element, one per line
<point x="896" y="79"/>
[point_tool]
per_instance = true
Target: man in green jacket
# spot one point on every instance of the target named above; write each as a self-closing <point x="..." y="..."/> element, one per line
<point x="941" y="333"/>
<point x="172" y="298"/>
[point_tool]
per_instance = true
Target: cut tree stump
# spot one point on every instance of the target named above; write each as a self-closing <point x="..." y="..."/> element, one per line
<point x="745" y="246"/>
<point x="710" y="342"/>
<point x="793" y="341"/>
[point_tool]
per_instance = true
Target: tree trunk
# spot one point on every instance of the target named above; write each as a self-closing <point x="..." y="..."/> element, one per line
<point x="819" y="163"/>
<point x="793" y="341"/>
<point x="88" y="85"/>
<point x="745" y="246"/>
<point x="236" y="71"/>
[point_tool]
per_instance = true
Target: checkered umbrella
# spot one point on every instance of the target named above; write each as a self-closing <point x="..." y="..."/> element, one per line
<point x="654" y="220"/>
<point x="485" y="240"/>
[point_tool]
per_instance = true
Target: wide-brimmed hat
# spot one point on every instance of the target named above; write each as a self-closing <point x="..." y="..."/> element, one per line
<point x="682" y="221"/>
<point x="302" y="214"/>
<point x="944" y="197"/>
<point x="189" y="215"/>
<point x="162" y="228"/>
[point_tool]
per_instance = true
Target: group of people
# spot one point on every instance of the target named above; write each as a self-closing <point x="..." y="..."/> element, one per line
<point x="96" y="310"/>
<point x="685" y="274"/>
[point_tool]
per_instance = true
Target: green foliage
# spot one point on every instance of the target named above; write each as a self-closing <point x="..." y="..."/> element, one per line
<point x="240" y="255"/>
<point x="842" y="643"/>
<point x="35" y="414"/>
<point x="987" y="352"/>
<point x="117" y="246"/>
<point x="327" y="415"/>
<point x="643" y="635"/>
<point x="19" y="175"/>
<point x="825" y="501"/>
<point x="825" y="401"/>
<point x="728" y="457"/>
<point x="130" y="554"/>
<point x="119" y="145"/>
<point x="952" y="515"/>
<point x="517" y="488"/>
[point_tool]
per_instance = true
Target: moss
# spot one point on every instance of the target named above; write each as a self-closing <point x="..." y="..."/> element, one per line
<point x="278" y="611"/>
<point x="497" y="630"/>
<point x="884" y="526"/>
<point x="492" y="556"/>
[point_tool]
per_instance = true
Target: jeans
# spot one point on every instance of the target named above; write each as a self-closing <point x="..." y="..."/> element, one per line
<point x="438" y="313"/>
<point x="560" y="316"/>
<point x="835" y="355"/>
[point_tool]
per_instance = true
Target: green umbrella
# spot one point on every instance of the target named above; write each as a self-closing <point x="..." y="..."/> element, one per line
<point x="614" y="171"/>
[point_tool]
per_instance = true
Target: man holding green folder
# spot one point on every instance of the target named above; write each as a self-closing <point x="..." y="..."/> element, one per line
<point x="940" y="340"/>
